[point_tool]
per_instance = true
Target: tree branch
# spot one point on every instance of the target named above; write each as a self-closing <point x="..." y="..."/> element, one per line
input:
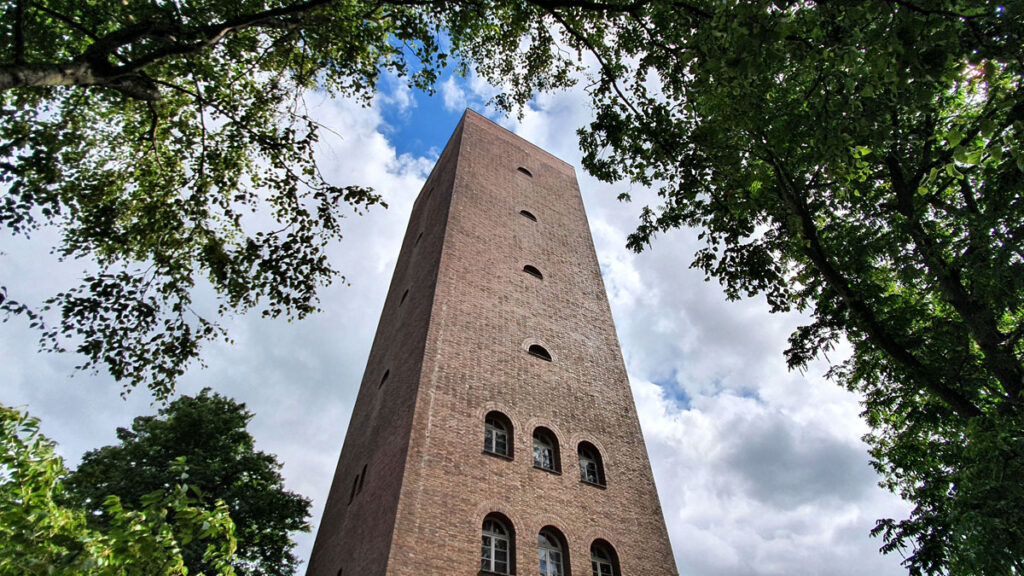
<point x="978" y="319"/>
<point x="76" y="74"/>
<point x="864" y="316"/>
<point x="19" y="32"/>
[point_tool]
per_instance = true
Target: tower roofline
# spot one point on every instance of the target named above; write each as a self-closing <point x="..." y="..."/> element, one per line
<point x="470" y="113"/>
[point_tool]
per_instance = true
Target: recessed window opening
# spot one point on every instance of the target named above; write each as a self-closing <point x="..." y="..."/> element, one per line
<point x="418" y="239"/>
<point x="497" y="553"/>
<point x="362" y="476"/>
<point x="533" y="271"/>
<point x="603" y="559"/>
<point x="355" y="488"/>
<point x="591" y="467"/>
<point x="552" y="553"/>
<point x="540" y="352"/>
<point x="498" y="434"/>
<point x="528" y="215"/>
<point x="545" y="450"/>
<point x="404" y="295"/>
<point x="384" y="378"/>
<point x="525" y="171"/>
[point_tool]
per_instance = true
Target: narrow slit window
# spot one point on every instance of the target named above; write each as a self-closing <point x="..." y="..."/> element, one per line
<point x="384" y="378"/>
<point x="355" y="487"/>
<point x="404" y="295"/>
<point x="540" y="352"/>
<point x="529" y="215"/>
<point x="533" y="271"/>
<point x="362" y="476"/>
<point x="525" y="171"/>
<point x="420" y="236"/>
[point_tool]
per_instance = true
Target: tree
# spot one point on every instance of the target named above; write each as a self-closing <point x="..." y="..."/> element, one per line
<point x="170" y="143"/>
<point x="861" y="162"/>
<point x="40" y="536"/>
<point x="209" y="432"/>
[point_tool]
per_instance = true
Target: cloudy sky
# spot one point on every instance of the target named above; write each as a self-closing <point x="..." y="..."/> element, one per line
<point x="760" y="470"/>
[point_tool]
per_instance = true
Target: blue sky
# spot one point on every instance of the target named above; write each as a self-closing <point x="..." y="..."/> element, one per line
<point x="422" y="127"/>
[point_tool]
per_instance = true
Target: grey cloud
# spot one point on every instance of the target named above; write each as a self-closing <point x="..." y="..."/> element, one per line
<point x="785" y="466"/>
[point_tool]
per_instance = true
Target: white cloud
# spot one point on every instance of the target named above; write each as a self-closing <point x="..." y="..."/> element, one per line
<point x="760" y="470"/>
<point x="453" y="94"/>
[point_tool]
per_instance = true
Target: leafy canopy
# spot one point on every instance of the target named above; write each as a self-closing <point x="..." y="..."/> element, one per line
<point x="861" y="162"/>
<point x="39" y="535"/>
<point x="171" y="145"/>
<point x="209" y="432"/>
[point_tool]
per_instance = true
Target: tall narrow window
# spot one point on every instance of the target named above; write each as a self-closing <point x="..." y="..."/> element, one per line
<point x="545" y="450"/>
<point x="355" y="486"/>
<point x="404" y="296"/>
<point x="528" y="215"/>
<point x="603" y="559"/>
<point x="498" y="434"/>
<point x="384" y="378"/>
<point x="551" y="553"/>
<point x="591" y="468"/>
<point x="496" y="548"/>
<point x="540" y="352"/>
<point x="362" y="476"/>
<point x="533" y="271"/>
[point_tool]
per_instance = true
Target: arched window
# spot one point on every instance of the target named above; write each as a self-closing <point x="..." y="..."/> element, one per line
<point x="603" y="559"/>
<point x="540" y="352"/>
<point x="533" y="271"/>
<point x="545" y="450"/>
<point x="591" y="467"/>
<point x="528" y="215"/>
<point x="525" y="171"/>
<point x="497" y="545"/>
<point x="498" y="434"/>
<point x="552" y="553"/>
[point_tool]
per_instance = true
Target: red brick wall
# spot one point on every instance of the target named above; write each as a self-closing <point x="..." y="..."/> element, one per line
<point x="468" y="342"/>
<point x="357" y="535"/>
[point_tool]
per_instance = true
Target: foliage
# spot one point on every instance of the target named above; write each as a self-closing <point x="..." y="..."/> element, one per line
<point x="209" y="432"/>
<point x="862" y="162"/>
<point x="39" y="536"/>
<point x="171" y="144"/>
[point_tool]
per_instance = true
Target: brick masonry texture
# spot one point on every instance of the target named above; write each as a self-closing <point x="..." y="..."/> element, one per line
<point x="456" y="349"/>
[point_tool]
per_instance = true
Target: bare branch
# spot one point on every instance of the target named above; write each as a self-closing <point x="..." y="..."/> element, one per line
<point x="76" y="74"/>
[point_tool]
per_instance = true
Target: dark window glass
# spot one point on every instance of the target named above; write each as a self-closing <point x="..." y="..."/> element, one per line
<point x="540" y="352"/>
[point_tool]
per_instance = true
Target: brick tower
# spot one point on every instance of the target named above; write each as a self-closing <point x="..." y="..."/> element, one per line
<point x="494" y="431"/>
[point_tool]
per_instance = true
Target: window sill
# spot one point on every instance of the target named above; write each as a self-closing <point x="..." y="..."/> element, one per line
<point x="501" y="457"/>
<point x="594" y="484"/>
<point x="489" y="573"/>
<point x="548" y="470"/>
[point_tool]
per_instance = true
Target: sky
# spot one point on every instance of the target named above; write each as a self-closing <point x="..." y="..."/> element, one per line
<point x="760" y="471"/>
